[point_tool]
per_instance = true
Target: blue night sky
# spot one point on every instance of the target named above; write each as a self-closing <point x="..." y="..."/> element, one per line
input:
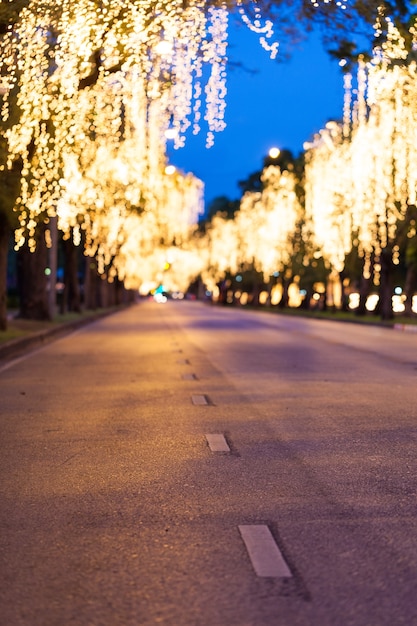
<point x="283" y="104"/>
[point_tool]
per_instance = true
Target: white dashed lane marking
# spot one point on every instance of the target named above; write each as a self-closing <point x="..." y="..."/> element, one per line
<point x="189" y="377"/>
<point x="217" y="443"/>
<point x="265" y="556"/>
<point x="199" y="400"/>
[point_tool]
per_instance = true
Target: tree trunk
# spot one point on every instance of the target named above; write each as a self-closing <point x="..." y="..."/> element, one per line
<point x="4" y="248"/>
<point x="52" y="265"/>
<point x="256" y="292"/>
<point x="71" y="295"/>
<point x="104" y="292"/>
<point x="386" y="286"/>
<point x="91" y="284"/>
<point x="306" y="302"/>
<point x="410" y="289"/>
<point x="32" y="279"/>
<point x="365" y="287"/>
<point x="222" y="286"/>
<point x="344" y="296"/>
<point x="283" y="303"/>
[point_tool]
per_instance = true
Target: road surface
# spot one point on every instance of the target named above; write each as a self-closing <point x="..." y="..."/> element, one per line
<point x="190" y="465"/>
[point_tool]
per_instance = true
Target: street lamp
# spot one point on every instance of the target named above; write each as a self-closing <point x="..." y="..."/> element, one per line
<point x="274" y="153"/>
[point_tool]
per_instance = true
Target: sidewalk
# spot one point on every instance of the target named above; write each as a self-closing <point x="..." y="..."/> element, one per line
<point x="23" y="335"/>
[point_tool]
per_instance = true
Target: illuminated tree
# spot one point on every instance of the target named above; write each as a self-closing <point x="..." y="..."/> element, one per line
<point x="91" y="87"/>
<point x="361" y="179"/>
<point x="266" y="219"/>
<point x="260" y="235"/>
<point x="146" y="242"/>
<point x="327" y="193"/>
<point x="96" y="87"/>
<point x="223" y="253"/>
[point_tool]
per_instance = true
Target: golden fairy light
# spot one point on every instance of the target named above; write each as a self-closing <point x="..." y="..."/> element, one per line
<point x="267" y="219"/>
<point x="91" y="92"/>
<point x="223" y="254"/>
<point x="260" y="234"/>
<point x="95" y="83"/>
<point x="263" y="27"/>
<point x="327" y="195"/>
<point x="361" y="177"/>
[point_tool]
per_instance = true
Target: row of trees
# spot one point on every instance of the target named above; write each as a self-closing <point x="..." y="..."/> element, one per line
<point x="91" y="90"/>
<point x="342" y="217"/>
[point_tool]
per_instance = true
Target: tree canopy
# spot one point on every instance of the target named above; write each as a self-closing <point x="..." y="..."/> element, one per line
<point x="91" y="89"/>
<point x="340" y="19"/>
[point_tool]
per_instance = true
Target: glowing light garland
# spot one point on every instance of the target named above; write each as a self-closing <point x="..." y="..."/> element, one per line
<point x="339" y="3"/>
<point x="222" y="245"/>
<point x="90" y="90"/>
<point x="99" y="83"/>
<point x="361" y="178"/>
<point x="267" y="220"/>
<point x="261" y="231"/>
<point x="327" y="195"/>
<point x="264" y="28"/>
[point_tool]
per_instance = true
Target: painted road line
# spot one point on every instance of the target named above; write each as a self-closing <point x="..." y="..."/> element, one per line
<point x="217" y="443"/>
<point x="189" y="377"/>
<point x="199" y="400"/>
<point x="265" y="556"/>
<point x="7" y="365"/>
<point x="411" y="328"/>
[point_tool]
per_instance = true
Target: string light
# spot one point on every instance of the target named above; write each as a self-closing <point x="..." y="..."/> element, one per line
<point x="261" y="231"/>
<point x="362" y="178"/>
<point x="341" y="5"/>
<point x="263" y="27"/>
<point x="99" y="88"/>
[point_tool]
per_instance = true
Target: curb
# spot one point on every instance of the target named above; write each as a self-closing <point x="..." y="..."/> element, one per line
<point x="411" y="328"/>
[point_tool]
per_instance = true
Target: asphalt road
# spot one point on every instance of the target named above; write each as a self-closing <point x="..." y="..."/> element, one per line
<point x="117" y="509"/>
